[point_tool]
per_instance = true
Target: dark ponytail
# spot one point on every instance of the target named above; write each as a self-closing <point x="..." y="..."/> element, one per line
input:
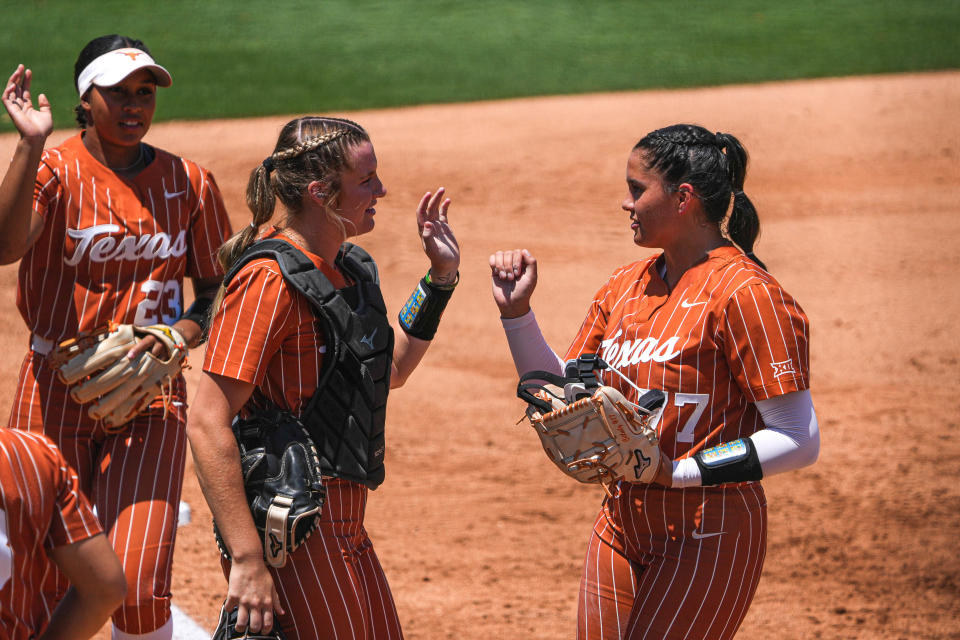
<point x="715" y="165"/>
<point x="743" y="225"/>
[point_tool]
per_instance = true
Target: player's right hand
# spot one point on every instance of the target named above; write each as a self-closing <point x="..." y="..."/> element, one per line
<point x="514" y="275"/>
<point x="251" y="589"/>
<point x="33" y="124"/>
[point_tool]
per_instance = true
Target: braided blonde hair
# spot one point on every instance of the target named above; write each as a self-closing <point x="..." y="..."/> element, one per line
<point x="308" y="149"/>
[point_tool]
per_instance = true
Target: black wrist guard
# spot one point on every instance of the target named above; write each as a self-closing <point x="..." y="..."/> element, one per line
<point x="199" y="312"/>
<point x="735" y="461"/>
<point x="420" y="316"/>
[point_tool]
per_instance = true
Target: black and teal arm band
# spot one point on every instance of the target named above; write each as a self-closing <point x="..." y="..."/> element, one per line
<point x="420" y="316"/>
<point x="735" y="461"/>
<point x="199" y="312"/>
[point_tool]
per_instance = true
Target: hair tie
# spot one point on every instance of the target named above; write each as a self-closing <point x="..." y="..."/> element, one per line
<point x="268" y="164"/>
<point x="254" y="225"/>
<point x="738" y="193"/>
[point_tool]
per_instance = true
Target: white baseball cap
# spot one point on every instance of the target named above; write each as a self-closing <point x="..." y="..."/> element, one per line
<point x="113" y="66"/>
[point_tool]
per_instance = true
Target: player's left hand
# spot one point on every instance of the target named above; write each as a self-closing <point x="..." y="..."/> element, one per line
<point x="437" y="237"/>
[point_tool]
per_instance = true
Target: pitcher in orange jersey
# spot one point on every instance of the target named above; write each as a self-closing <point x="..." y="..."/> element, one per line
<point x="704" y="322"/>
<point x="106" y="230"/>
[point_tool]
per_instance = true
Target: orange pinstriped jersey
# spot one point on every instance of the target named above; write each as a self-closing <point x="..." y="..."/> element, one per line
<point x="727" y="336"/>
<point x="117" y="249"/>
<point x="265" y="333"/>
<point x="41" y="508"/>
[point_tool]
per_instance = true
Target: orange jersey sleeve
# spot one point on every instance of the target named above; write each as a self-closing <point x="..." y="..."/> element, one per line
<point x="265" y="333"/>
<point x="764" y="335"/>
<point x="210" y="226"/>
<point x="41" y="507"/>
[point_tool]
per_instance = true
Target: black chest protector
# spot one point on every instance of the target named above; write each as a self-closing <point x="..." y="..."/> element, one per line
<point x="347" y="413"/>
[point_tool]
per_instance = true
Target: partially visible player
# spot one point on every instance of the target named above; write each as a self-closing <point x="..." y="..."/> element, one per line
<point x="269" y="352"/>
<point x="44" y="517"/>
<point x="107" y="230"/>
<point x="703" y="321"/>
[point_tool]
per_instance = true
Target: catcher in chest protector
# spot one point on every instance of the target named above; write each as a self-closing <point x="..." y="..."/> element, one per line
<point x="107" y="229"/>
<point x="290" y="437"/>
<point x="687" y="383"/>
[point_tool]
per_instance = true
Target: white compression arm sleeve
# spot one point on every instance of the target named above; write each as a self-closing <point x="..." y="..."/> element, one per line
<point x="791" y="439"/>
<point x="528" y="347"/>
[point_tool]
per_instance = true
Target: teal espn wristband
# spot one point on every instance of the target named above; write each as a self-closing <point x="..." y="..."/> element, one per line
<point x="420" y="316"/>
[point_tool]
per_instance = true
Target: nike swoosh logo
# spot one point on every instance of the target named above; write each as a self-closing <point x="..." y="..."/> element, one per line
<point x="687" y="305"/>
<point x="700" y="536"/>
<point x="168" y="195"/>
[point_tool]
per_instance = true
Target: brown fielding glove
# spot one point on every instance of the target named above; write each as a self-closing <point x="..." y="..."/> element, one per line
<point x="591" y="432"/>
<point x="96" y="366"/>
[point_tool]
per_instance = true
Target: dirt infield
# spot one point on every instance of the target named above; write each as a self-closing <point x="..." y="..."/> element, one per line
<point x="857" y="182"/>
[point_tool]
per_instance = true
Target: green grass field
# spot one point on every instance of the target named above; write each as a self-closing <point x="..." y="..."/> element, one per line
<point x="234" y="59"/>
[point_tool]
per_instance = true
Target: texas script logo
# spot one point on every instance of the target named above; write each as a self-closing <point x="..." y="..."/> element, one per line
<point x="107" y="247"/>
<point x="630" y="352"/>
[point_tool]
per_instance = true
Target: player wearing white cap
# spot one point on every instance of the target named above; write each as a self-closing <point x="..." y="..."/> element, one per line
<point x="106" y="231"/>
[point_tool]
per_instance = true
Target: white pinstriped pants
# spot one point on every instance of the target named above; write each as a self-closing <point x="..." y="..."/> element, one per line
<point x="333" y="587"/>
<point x="670" y="564"/>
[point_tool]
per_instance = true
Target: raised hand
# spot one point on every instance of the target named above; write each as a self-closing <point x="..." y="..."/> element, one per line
<point x="514" y="275"/>
<point x="437" y="237"/>
<point x="30" y="122"/>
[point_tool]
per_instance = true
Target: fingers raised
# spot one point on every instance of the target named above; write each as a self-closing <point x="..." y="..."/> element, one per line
<point x="433" y="207"/>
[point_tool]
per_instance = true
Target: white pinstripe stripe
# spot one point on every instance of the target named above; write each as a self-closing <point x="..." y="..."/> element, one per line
<point x="25" y="507"/>
<point x="660" y="568"/>
<point x="368" y="602"/>
<point x="50" y="211"/>
<point x="115" y="515"/>
<point x="86" y="293"/>
<point x="613" y="575"/>
<point x="316" y="588"/>
<point x="750" y="528"/>
<point x="599" y="603"/>
<point x="236" y="325"/>
<point x="586" y="578"/>
<point x="272" y="316"/>
<point x="677" y="564"/>
<point x="716" y="560"/>
<point x="348" y="564"/>
<point x="150" y="508"/>
<point x="102" y="266"/>
<point x="766" y="336"/>
<point x="343" y="598"/>
<point x="167" y="262"/>
<point x="50" y="262"/>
